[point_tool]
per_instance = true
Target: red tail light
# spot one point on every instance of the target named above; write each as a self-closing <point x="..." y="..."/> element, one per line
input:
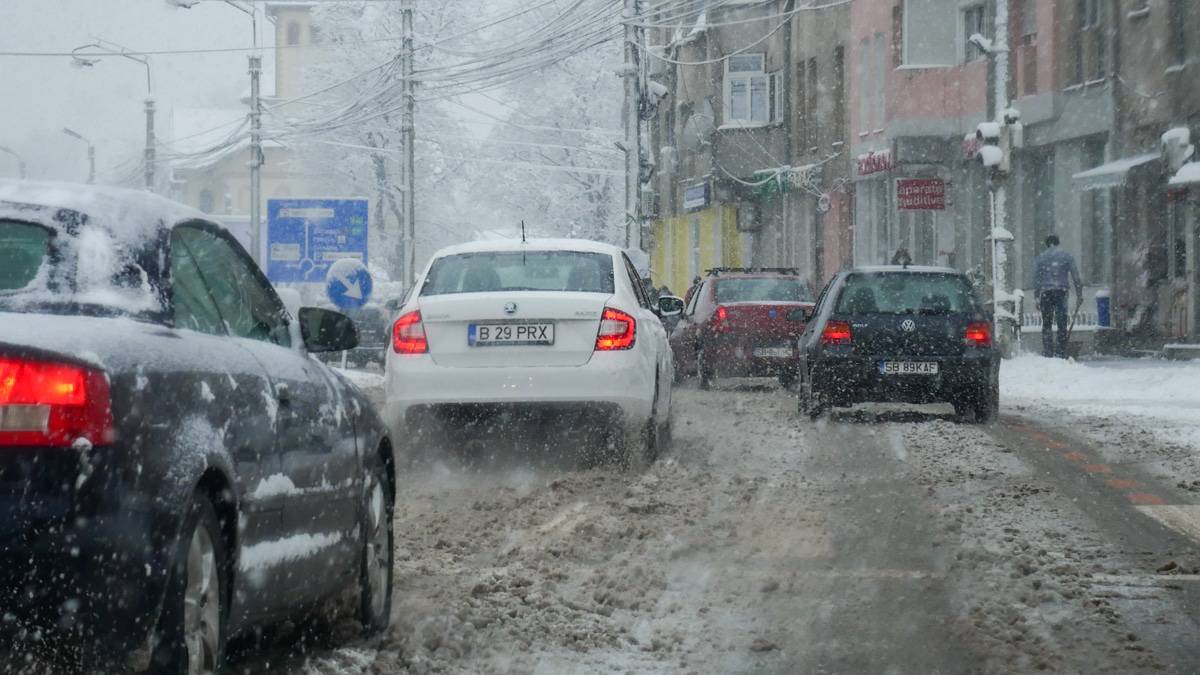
<point x="53" y="404"/>
<point x="836" y="333"/>
<point x="979" y="334"/>
<point x="617" y="331"/>
<point x="721" y="319"/>
<point x="408" y="335"/>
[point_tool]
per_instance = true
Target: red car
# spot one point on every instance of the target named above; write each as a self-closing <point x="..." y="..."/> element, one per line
<point x="742" y="322"/>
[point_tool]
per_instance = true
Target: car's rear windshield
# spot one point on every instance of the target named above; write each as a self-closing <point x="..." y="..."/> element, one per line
<point x="762" y="289"/>
<point x="23" y="251"/>
<point x="905" y="293"/>
<point x="493" y="271"/>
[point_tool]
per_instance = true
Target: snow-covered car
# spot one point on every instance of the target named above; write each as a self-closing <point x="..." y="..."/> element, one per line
<point x="561" y="325"/>
<point x="174" y="466"/>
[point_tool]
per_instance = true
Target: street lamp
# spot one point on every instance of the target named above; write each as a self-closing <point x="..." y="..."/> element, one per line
<point x="91" y="153"/>
<point x="256" y="155"/>
<point x="20" y="161"/>
<point x="91" y="58"/>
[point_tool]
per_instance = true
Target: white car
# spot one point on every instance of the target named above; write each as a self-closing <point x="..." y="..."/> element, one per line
<point x="563" y="325"/>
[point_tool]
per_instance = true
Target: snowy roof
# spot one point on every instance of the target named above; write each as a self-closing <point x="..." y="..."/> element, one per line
<point x="1189" y="174"/>
<point x="585" y="245"/>
<point x="870" y="269"/>
<point x="1113" y="173"/>
<point x="119" y="210"/>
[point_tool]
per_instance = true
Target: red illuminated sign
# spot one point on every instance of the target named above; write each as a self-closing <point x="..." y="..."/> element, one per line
<point x="874" y="162"/>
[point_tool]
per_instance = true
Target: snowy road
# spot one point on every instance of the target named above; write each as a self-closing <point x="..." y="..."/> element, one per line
<point x="873" y="542"/>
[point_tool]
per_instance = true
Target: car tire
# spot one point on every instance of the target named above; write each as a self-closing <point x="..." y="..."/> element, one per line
<point x="811" y="402"/>
<point x="788" y="378"/>
<point x="987" y="406"/>
<point x="378" y="551"/>
<point x="190" y="637"/>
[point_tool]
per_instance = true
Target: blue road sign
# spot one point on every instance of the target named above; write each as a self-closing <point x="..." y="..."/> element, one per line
<point x="306" y="236"/>
<point x="348" y="284"/>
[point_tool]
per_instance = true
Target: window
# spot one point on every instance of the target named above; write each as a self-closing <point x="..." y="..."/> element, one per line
<point x="193" y="306"/>
<point x="905" y="293"/>
<point x="494" y="271"/>
<point x="803" y="114"/>
<point x="248" y="306"/>
<point x="1029" y="27"/>
<point x="762" y="289"/>
<point x="810" y="105"/>
<point x="23" y="250"/>
<point x="293" y="33"/>
<point x="1177" y="50"/>
<point x="975" y="19"/>
<point x="929" y="38"/>
<point x="1089" y="39"/>
<point x="897" y="35"/>
<point x="639" y="288"/>
<point x="753" y="97"/>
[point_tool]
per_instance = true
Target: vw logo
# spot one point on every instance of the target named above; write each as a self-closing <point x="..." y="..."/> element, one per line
<point x="511" y="308"/>
<point x="908" y="325"/>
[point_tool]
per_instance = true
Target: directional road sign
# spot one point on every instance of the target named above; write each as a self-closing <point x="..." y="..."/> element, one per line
<point x="306" y="236"/>
<point x="348" y="284"/>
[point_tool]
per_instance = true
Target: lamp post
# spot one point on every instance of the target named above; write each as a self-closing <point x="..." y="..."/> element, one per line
<point x="91" y="153"/>
<point x="256" y="154"/>
<point x="91" y="58"/>
<point x="20" y="160"/>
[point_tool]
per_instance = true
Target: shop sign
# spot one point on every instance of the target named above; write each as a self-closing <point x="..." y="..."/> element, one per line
<point x="921" y="194"/>
<point x="875" y="162"/>
<point x="696" y="197"/>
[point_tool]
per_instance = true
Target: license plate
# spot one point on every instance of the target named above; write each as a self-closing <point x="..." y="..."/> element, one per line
<point x="908" y="367"/>
<point x="773" y="352"/>
<point x="509" y="334"/>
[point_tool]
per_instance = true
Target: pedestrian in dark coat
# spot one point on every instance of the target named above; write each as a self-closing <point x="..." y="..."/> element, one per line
<point x="1053" y="270"/>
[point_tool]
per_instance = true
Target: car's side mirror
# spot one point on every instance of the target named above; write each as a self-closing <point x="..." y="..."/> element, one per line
<point x="325" y="330"/>
<point x="669" y="305"/>
<point x="800" y="314"/>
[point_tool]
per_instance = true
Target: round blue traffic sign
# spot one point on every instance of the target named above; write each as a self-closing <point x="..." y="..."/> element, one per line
<point x="348" y="284"/>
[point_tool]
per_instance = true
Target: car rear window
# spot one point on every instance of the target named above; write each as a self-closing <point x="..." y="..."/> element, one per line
<point x="492" y="271"/>
<point x="905" y="293"/>
<point x="762" y="289"/>
<point x="23" y="251"/>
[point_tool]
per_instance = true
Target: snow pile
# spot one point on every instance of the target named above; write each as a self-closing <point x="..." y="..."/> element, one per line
<point x="1160" y="395"/>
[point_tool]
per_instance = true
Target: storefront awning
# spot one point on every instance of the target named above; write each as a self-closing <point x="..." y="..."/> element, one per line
<point x="1189" y="174"/>
<point x="1113" y="173"/>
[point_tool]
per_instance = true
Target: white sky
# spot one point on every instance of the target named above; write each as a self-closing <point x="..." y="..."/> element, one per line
<point x="105" y="102"/>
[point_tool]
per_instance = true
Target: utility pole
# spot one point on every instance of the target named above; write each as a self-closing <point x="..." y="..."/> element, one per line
<point x="91" y="153"/>
<point x="1000" y="234"/>
<point x="633" y="132"/>
<point x="408" y="230"/>
<point x="150" y="153"/>
<point x="20" y="160"/>
<point x="256" y="159"/>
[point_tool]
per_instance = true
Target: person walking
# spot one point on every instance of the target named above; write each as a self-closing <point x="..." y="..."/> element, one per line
<point x="1050" y="284"/>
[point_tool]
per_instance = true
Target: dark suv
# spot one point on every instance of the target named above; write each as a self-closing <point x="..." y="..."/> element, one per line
<point x="904" y="334"/>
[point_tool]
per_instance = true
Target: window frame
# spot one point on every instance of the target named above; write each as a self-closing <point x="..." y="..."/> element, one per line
<point x="969" y="53"/>
<point x="769" y="83"/>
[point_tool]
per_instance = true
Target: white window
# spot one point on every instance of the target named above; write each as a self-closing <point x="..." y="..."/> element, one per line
<point x="753" y="97"/>
<point x="975" y="19"/>
<point x="929" y="38"/>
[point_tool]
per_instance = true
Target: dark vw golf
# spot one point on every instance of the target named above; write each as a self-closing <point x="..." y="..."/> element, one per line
<point x="174" y="466"/>
<point x="903" y="334"/>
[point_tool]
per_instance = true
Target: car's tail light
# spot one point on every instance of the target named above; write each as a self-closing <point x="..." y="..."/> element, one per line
<point x="721" y="320"/>
<point x="408" y="334"/>
<point x="617" y="331"/>
<point x="836" y="333"/>
<point x="43" y="403"/>
<point x="979" y="334"/>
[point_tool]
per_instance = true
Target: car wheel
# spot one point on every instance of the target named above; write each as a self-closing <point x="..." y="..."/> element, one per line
<point x="788" y="378"/>
<point x="811" y="402"/>
<point x="705" y="371"/>
<point x="375" y="572"/>
<point x="987" y="406"/>
<point x="190" y="638"/>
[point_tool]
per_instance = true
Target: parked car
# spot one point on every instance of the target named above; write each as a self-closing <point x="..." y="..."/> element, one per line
<point x="373" y="324"/>
<point x="904" y="334"/>
<point x="742" y="322"/>
<point x="545" y="325"/>
<point x="174" y="468"/>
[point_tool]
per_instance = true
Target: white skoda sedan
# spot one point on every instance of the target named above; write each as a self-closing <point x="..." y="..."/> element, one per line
<point x="548" y="327"/>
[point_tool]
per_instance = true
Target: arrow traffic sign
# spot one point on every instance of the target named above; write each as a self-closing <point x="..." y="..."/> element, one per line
<point x="348" y="284"/>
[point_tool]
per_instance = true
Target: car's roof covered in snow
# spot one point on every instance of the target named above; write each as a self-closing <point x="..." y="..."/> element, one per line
<point x="874" y="269"/>
<point x="503" y="245"/>
<point x="121" y="211"/>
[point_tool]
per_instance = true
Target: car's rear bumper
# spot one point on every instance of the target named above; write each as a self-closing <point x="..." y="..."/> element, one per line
<point x="615" y="381"/>
<point x="858" y="380"/>
<point x="751" y="356"/>
<point x="81" y="562"/>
